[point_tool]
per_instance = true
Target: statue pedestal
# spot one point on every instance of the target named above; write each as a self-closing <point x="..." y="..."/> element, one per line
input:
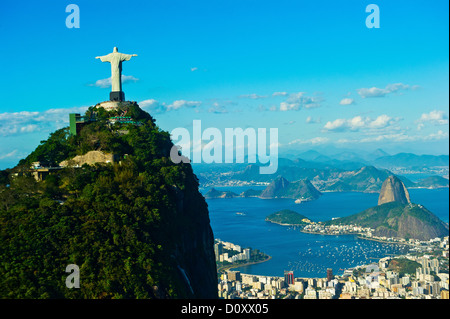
<point x="117" y="96"/>
<point x="113" y="105"/>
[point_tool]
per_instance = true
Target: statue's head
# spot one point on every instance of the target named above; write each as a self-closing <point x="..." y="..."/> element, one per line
<point x="115" y="49"/>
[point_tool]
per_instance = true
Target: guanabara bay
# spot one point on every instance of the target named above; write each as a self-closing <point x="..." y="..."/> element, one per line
<point x="104" y="195"/>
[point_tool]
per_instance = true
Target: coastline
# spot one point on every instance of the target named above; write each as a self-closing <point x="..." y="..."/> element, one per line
<point x="227" y="267"/>
<point x="281" y="224"/>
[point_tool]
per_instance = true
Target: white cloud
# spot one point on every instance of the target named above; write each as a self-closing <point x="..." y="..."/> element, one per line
<point x="347" y="101"/>
<point x="434" y="117"/>
<point x="13" y="123"/>
<point x="336" y="125"/>
<point x="313" y="141"/>
<point x="296" y="101"/>
<point x="12" y="154"/>
<point x="194" y="69"/>
<point x="279" y="94"/>
<point x="380" y="122"/>
<point x="253" y="96"/>
<point x="155" y="107"/>
<point x="377" y="92"/>
<point x="400" y="137"/>
<point x="358" y="123"/>
<point x="311" y="120"/>
<point x="152" y="106"/>
<point x="182" y="103"/>
<point x="106" y="83"/>
<point x="217" y="108"/>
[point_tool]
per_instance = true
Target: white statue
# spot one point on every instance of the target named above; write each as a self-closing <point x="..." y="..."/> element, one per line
<point x="116" y="58"/>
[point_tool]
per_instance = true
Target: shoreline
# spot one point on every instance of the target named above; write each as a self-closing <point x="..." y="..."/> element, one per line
<point x="225" y="268"/>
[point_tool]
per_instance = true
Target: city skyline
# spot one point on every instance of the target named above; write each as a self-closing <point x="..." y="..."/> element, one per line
<point x="311" y="69"/>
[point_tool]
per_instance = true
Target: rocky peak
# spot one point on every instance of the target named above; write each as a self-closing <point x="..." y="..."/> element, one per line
<point x="393" y="190"/>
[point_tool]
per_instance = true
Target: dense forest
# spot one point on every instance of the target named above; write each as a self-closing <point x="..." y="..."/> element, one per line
<point x="125" y="224"/>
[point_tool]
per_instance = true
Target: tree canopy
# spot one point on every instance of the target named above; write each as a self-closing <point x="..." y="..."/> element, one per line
<point x="115" y="221"/>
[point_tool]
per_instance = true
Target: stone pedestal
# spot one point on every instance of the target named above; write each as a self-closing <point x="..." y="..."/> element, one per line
<point x="117" y="96"/>
<point x="113" y="105"/>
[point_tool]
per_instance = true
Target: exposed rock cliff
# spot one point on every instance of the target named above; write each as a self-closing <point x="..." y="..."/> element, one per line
<point x="393" y="190"/>
<point x="90" y="158"/>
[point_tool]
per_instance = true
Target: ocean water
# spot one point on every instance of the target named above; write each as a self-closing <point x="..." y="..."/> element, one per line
<point x="308" y="255"/>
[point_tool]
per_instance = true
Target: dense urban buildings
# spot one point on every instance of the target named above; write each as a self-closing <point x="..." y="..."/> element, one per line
<point x="421" y="274"/>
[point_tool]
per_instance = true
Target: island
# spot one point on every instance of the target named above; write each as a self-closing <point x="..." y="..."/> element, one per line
<point x="282" y="188"/>
<point x="214" y="193"/>
<point x="287" y="217"/>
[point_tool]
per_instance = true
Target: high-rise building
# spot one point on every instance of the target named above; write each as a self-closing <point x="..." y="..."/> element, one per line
<point x="218" y="250"/>
<point x="234" y="275"/>
<point x="330" y="274"/>
<point x="289" y="277"/>
<point x="247" y="253"/>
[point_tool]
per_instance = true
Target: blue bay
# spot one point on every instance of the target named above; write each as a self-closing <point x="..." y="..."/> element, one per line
<point x="307" y="255"/>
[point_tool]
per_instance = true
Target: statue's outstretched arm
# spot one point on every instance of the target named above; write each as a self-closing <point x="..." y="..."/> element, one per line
<point x="126" y="57"/>
<point x="104" y="58"/>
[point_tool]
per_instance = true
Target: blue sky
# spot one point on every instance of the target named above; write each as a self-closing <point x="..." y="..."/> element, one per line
<point x="310" y="68"/>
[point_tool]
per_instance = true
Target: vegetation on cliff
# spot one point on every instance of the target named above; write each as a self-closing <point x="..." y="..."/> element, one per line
<point x="395" y="219"/>
<point x="136" y="229"/>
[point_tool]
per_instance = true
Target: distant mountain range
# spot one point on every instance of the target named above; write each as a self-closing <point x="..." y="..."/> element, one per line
<point x="301" y="190"/>
<point x="412" y="161"/>
<point x="345" y="171"/>
<point x="281" y="188"/>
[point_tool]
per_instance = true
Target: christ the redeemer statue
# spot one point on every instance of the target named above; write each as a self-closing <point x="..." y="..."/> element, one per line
<point x="116" y="59"/>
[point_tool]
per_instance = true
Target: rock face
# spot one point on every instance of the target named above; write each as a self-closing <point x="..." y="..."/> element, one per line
<point x="278" y="186"/>
<point x="282" y="188"/>
<point x="89" y="158"/>
<point x="393" y="190"/>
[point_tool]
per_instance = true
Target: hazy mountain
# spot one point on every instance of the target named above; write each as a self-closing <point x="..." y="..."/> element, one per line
<point x="409" y="160"/>
<point x="282" y="188"/>
<point x="310" y="155"/>
<point x="214" y="193"/>
<point x="433" y="182"/>
<point x="376" y="154"/>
